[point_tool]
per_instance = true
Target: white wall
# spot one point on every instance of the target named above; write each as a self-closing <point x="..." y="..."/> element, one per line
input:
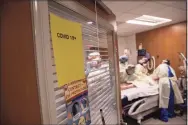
<point x="128" y="43"/>
<point x="121" y="45"/>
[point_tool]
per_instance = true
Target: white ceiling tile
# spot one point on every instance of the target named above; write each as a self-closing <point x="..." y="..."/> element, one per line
<point x="147" y="8"/>
<point x="181" y="4"/>
<point x="171" y="13"/>
<point x="123" y="26"/>
<point x="123" y="6"/>
<point x="106" y="2"/>
<point x="131" y="27"/>
<point x="126" y="10"/>
<point x="118" y="14"/>
<point x="169" y="2"/>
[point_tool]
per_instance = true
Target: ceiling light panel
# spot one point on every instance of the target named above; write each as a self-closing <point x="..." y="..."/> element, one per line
<point x="148" y="20"/>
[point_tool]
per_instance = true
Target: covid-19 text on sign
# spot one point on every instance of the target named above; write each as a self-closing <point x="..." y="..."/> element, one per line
<point x="65" y="36"/>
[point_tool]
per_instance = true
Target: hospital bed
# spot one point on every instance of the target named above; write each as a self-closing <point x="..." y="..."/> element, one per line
<point x="139" y="102"/>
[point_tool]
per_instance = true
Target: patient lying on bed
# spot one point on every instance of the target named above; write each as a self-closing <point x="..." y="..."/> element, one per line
<point x="131" y="78"/>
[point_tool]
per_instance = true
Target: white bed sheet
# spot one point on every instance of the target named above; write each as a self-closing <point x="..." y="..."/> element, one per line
<point x="134" y="93"/>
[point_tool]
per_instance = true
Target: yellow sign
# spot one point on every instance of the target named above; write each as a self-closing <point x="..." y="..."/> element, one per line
<point x="74" y="89"/>
<point x="68" y="49"/>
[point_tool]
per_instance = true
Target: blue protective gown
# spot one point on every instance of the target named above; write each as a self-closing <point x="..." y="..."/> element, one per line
<point x="166" y="113"/>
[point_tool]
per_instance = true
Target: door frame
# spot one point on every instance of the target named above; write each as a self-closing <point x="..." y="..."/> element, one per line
<point x="41" y="36"/>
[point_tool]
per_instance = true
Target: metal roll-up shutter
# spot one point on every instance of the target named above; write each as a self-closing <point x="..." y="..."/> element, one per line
<point x="100" y="83"/>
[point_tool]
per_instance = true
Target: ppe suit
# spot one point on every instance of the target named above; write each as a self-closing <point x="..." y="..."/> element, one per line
<point x="94" y="62"/>
<point x="123" y="67"/>
<point x="135" y="76"/>
<point x="128" y="75"/>
<point x="124" y="77"/>
<point x="140" y="68"/>
<point x="169" y="93"/>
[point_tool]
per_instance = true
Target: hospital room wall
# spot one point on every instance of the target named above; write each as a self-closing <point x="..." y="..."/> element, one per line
<point x="128" y="42"/>
<point x="165" y="43"/>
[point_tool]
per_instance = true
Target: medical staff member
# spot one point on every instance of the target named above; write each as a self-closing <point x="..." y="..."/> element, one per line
<point x="122" y="67"/>
<point x="127" y="75"/>
<point x="141" y="67"/>
<point x="169" y="93"/>
<point x="93" y="62"/>
<point x="126" y="72"/>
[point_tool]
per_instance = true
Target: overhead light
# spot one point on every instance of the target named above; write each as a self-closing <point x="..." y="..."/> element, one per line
<point x="89" y="22"/>
<point x="140" y="22"/>
<point x="148" y="20"/>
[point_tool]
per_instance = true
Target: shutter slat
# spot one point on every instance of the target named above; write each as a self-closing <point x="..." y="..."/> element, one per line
<point x="101" y="73"/>
<point x="61" y="107"/>
<point x="63" y="122"/>
<point x="62" y="115"/>
<point x="58" y="92"/>
<point x="59" y="100"/>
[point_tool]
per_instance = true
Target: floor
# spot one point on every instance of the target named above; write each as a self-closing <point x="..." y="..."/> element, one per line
<point x="154" y="120"/>
<point x="174" y="121"/>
